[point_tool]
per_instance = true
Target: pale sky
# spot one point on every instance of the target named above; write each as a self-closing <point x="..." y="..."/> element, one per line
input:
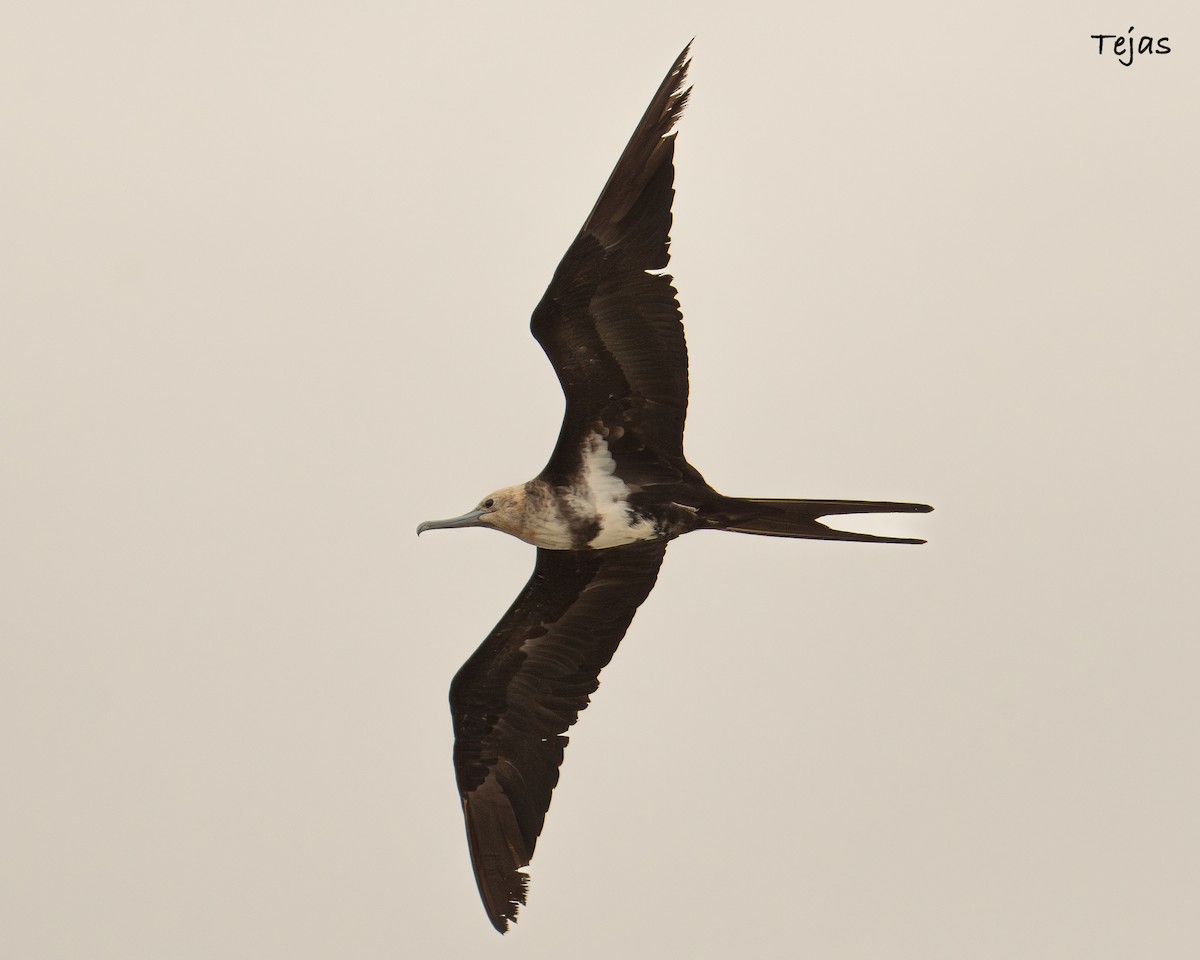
<point x="268" y="274"/>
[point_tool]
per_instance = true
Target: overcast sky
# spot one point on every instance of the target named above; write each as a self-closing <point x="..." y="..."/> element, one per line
<point x="267" y="275"/>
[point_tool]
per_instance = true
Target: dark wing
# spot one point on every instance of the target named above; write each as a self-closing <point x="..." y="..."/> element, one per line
<point x="516" y="696"/>
<point x="612" y="330"/>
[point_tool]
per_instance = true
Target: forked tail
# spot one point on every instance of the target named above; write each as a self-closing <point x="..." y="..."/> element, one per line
<point x="799" y="518"/>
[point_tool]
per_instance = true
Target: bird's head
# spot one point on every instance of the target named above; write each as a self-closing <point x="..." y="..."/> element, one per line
<point x="503" y="510"/>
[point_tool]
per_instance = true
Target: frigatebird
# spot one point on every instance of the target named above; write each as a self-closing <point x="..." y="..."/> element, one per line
<point x="616" y="491"/>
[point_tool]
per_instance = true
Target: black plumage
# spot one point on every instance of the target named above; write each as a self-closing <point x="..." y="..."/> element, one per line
<point x="613" y="331"/>
<point x="615" y="491"/>
<point x="514" y="699"/>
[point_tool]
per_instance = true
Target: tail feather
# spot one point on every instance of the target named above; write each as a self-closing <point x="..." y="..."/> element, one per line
<point x="799" y="518"/>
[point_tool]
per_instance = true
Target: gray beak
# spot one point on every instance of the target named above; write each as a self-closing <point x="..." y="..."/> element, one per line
<point x="466" y="520"/>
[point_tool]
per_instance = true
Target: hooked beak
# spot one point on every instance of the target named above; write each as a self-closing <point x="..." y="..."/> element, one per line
<point x="466" y="520"/>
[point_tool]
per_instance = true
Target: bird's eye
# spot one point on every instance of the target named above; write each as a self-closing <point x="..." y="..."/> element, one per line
<point x="489" y="503"/>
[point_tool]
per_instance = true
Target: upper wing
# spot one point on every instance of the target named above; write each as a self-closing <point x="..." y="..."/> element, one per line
<point x="516" y="696"/>
<point x="612" y="330"/>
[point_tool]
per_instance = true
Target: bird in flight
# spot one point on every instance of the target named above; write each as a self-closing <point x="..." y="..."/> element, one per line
<point x="616" y="491"/>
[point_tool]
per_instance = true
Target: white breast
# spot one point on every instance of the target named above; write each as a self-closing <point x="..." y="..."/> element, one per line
<point x="599" y="492"/>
